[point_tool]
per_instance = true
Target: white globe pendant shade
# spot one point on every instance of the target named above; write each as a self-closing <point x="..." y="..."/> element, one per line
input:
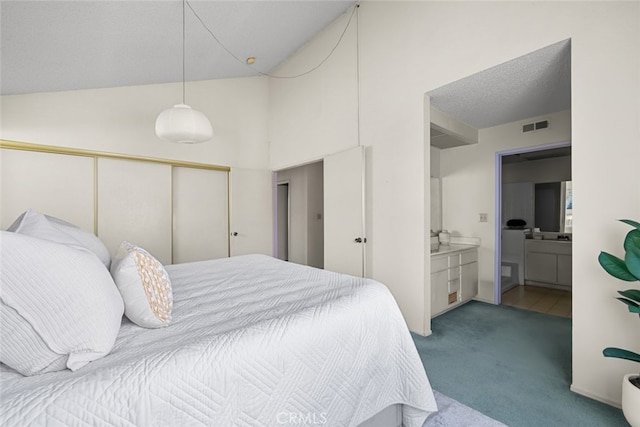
<point x="183" y="125"/>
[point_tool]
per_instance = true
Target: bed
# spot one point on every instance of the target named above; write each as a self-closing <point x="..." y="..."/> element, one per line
<point x="251" y="340"/>
<point x="254" y="341"/>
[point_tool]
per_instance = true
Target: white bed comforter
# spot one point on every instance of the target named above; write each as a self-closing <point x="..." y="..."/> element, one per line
<point x="254" y="342"/>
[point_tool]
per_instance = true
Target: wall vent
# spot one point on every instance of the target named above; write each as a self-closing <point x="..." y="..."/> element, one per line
<point x="542" y="125"/>
<point x="530" y="127"/>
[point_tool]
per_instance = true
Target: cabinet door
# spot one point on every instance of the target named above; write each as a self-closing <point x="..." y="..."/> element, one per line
<point x="541" y="267"/>
<point x="564" y="270"/>
<point x="469" y="279"/>
<point x="439" y="292"/>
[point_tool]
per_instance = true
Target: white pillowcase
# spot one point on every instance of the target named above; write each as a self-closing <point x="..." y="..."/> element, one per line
<point x="58" y="304"/>
<point x="144" y="285"/>
<point x="33" y="223"/>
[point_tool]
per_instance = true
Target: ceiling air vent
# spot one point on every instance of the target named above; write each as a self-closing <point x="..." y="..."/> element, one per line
<point x="542" y="125"/>
<point x="530" y="127"/>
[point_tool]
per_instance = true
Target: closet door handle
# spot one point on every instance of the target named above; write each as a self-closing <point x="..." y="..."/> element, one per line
<point x="235" y="233"/>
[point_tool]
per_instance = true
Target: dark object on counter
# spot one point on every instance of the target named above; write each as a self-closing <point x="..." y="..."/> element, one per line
<point x="516" y="223"/>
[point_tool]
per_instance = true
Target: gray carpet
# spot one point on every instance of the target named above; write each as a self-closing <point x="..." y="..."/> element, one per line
<point x="511" y="365"/>
<point x="452" y="413"/>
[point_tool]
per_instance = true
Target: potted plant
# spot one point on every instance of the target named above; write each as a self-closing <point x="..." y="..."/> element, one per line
<point x="627" y="270"/>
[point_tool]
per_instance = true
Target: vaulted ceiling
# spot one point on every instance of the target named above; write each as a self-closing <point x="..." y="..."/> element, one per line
<point x="68" y="45"/>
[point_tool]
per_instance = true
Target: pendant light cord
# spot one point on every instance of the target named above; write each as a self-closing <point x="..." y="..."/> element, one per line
<point x="358" y="68"/>
<point x="355" y="7"/>
<point x="183" y="49"/>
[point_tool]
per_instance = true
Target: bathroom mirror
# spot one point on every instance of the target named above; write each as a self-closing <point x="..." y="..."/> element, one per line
<point x="553" y="204"/>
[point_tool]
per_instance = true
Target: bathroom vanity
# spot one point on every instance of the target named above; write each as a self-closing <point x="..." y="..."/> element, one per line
<point x="548" y="263"/>
<point x="454" y="276"/>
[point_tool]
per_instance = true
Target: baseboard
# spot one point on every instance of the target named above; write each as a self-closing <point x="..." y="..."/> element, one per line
<point x="488" y="301"/>
<point x="594" y="396"/>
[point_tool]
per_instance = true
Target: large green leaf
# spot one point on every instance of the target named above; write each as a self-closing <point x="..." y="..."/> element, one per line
<point x="615" y="267"/>
<point x="632" y="240"/>
<point x="633" y="307"/>
<point x="631" y="294"/>
<point x="631" y="223"/>
<point x="632" y="260"/>
<point x="621" y="354"/>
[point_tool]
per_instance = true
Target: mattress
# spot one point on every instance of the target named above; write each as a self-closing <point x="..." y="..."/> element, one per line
<point x="254" y="341"/>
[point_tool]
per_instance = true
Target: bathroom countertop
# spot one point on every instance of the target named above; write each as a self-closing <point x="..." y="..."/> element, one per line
<point x="445" y="249"/>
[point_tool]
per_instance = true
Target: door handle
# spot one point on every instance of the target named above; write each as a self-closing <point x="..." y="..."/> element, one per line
<point x="235" y="233"/>
<point x="360" y="240"/>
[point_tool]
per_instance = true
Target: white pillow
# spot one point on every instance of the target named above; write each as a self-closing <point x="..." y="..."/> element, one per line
<point x="58" y="304"/>
<point x="144" y="285"/>
<point x="86" y="239"/>
<point x="33" y="223"/>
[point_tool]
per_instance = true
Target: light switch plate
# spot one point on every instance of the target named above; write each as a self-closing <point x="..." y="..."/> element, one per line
<point x="483" y="217"/>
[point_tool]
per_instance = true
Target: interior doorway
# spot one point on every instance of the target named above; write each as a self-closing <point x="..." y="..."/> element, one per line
<point x="299" y="214"/>
<point x="527" y="210"/>
<point x="282" y="212"/>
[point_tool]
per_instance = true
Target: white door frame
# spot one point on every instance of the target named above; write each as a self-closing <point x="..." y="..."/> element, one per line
<point x="497" y="289"/>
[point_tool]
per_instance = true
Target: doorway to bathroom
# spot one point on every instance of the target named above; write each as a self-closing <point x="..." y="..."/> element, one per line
<point x="534" y="213"/>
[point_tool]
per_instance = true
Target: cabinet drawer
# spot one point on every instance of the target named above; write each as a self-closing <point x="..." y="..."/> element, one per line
<point x="439" y="264"/>
<point x="546" y="246"/>
<point x="469" y="257"/>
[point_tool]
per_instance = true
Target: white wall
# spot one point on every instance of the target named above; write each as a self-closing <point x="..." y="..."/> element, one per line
<point x="315" y="215"/>
<point x="435" y="162"/>
<point x="410" y="48"/>
<point x="122" y="120"/>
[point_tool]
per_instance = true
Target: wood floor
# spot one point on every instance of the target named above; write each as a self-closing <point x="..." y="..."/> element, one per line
<point x="542" y="300"/>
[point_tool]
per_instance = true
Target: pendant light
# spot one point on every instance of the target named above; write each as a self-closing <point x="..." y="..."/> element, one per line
<point x="182" y="124"/>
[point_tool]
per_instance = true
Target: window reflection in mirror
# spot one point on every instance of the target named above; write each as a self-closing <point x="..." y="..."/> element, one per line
<point x="554" y="206"/>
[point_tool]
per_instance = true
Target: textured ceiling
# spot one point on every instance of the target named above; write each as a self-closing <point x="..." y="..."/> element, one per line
<point x="69" y="45"/>
<point x="532" y="85"/>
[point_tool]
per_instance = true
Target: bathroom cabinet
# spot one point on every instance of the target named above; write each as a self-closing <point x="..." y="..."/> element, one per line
<point x="454" y="277"/>
<point x="548" y="263"/>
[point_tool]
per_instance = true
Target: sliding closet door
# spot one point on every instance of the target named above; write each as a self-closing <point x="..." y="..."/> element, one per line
<point x="134" y="204"/>
<point x="200" y="214"/>
<point x="53" y="184"/>
<point x="344" y="240"/>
